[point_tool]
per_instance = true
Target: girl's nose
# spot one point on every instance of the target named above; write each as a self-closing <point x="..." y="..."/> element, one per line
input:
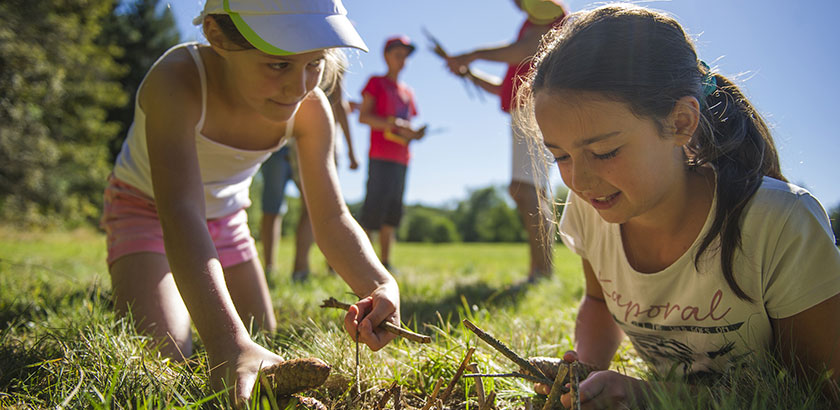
<point x="581" y="178"/>
<point x="296" y="85"/>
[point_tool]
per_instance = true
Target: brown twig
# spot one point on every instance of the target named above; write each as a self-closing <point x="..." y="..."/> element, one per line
<point x="574" y="379"/>
<point x="479" y="384"/>
<point x="511" y="374"/>
<point x="557" y="389"/>
<point x="398" y="397"/>
<point x="385" y="396"/>
<point x="358" y="388"/>
<point x="490" y="402"/>
<point x="499" y="346"/>
<point x="385" y="325"/>
<point x="431" y="399"/>
<point x="457" y="375"/>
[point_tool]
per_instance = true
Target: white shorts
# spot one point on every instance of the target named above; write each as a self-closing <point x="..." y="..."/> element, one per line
<point x="530" y="158"/>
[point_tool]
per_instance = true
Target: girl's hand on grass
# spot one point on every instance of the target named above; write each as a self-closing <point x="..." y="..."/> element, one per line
<point x="366" y="315"/>
<point x="238" y="370"/>
<point x="606" y="389"/>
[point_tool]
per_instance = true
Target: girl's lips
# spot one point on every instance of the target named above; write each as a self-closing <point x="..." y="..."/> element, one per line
<point x="606" y="202"/>
<point x="282" y="104"/>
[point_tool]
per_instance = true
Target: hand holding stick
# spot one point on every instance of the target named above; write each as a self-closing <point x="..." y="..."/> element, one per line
<point x="387" y="326"/>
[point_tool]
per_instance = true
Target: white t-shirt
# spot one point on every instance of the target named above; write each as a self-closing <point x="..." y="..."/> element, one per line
<point x="690" y="321"/>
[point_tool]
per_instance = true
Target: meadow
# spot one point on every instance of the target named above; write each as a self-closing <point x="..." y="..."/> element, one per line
<point x="62" y="347"/>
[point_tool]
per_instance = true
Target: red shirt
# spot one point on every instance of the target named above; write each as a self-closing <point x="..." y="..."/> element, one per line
<point x="516" y="72"/>
<point x="390" y="100"/>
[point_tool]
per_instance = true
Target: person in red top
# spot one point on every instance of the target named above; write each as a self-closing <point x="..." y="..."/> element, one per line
<point x="527" y="182"/>
<point x="387" y="107"/>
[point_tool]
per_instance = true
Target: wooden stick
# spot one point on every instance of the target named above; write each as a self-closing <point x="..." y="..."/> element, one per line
<point x="358" y="387"/>
<point x="553" y="400"/>
<point x="511" y="374"/>
<point x="385" y="325"/>
<point x="479" y="384"/>
<point x="524" y="364"/>
<point x="398" y="397"/>
<point x="574" y="380"/>
<point x="385" y="396"/>
<point x="431" y="399"/>
<point x="457" y="375"/>
<point x="488" y="404"/>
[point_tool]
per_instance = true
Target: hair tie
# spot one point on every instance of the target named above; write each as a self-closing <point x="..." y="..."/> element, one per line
<point x="709" y="81"/>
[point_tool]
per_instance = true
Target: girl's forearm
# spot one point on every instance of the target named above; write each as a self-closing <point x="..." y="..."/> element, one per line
<point x="597" y="336"/>
<point x="349" y="251"/>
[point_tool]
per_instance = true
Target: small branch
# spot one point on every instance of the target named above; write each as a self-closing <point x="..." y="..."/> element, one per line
<point x="557" y="389"/>
<point x="574" y="379"/>
<point x="431" y="399"/>
<point x="512" y="374"/>
<point x="524" y="364"/>
<point x="490" y="402"/>
<point x="385" y="325"/>
<point x="398" y="397"/>
<point x="457" y="375"/>
<point x="479" y="384"/>
<point x="385" y="396"/>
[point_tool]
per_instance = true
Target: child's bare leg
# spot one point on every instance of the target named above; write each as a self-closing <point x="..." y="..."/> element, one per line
<point x="303" y="241"/>
<point x="539" y="227"/>
<point x="249" y="291"/>
<point x="386" y="239"/>
<point x="269" y="233"/>
<point x="143" y="284"/>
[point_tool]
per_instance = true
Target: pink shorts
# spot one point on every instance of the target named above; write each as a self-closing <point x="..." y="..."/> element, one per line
<point x="131" y="223"/>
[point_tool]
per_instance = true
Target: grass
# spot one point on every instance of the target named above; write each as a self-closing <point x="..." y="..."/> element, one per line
<point x="61" y="345"/>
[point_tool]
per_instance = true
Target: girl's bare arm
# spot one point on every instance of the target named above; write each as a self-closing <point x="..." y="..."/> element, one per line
<point x="597" y="336"/>
<point x="342" y="240"/>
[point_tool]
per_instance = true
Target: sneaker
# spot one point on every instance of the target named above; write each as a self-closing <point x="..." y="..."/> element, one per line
<point x="300" y="276"/>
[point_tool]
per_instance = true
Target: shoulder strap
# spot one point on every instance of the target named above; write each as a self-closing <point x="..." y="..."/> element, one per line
<point x="196" y="55"/>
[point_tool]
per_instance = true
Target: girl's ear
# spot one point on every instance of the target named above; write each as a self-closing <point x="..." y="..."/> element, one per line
<point x="214" y="34"/>
<point x="684" y="119"/>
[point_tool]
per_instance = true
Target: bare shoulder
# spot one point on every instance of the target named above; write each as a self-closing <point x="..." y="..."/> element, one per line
<point x="173" y="86"/>
<point x="314" y="114"/>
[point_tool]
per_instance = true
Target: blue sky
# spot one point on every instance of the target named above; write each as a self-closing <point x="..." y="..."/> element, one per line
<point x="784" y="54"/>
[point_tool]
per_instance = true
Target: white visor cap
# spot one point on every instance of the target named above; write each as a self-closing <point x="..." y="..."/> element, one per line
<point x="281" y="27"/>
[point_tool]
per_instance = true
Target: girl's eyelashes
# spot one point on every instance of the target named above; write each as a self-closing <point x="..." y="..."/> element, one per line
<point x="561" y="158"/>
<point x="608" y="155"/>
<point x="278" y="66"/>
<point x="316" y="63"/>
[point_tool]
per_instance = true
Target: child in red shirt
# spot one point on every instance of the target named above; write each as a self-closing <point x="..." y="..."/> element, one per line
<point x="388" y="106"/>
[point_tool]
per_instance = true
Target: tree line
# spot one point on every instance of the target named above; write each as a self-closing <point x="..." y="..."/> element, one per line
<point x="69" y="70"/>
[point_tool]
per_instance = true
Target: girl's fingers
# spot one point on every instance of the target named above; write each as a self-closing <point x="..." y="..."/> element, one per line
<point x="541" y="388"/>
<point x="354" y="316"/>
<point x="369" y="330"/>
<point x="570" y="356"/>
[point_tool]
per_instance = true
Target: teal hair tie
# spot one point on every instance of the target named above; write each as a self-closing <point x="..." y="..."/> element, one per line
<point x="709" y="81"/>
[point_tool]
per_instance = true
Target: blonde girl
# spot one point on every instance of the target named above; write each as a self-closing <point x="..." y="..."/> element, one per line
<point x="206" y="117"/>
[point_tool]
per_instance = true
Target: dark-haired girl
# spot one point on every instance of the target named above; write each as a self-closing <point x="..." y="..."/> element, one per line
<point x="693" y="243"/>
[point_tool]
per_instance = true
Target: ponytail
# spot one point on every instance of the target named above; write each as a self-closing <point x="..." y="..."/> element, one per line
<point x="735" y="140"/>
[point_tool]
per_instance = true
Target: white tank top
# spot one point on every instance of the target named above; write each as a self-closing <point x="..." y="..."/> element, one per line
<point x="226" y="172"/>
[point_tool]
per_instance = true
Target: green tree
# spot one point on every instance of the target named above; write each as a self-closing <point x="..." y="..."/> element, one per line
<point x="143" y="30"/>
<point x="485" y="216"/>
<point x="834" y="215"/>
<point x="426" y="224"/>
<point x="56" y="85"/>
